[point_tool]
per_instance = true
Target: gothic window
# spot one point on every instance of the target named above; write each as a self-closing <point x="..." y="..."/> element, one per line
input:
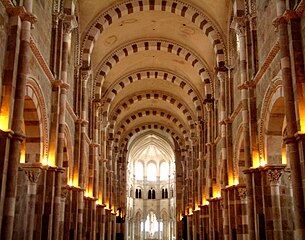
<point x="153" y="194"/>
<point x="149" y="194"/>
<point x="164" y="171"/>
<point x="151" y="172"/>
<point x="139" y="170"/>
<point x="138" y="193"/>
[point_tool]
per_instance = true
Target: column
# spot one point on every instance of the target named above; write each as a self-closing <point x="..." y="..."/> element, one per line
<point x="273" y="176"/>
<point x="69" y="23"/>
<point x="17" y="122"/>
<point x="64" y="192"/>
<point x="242" y="222"/>
<point x="240" y="28"/>
<point x="7" y="96"/>
<point x="222" y="76"/>
<point x="290" y="112"/>
<point x="32" y="173"/>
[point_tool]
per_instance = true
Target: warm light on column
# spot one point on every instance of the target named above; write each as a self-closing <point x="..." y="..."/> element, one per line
<point x="302" y="117"/>
<point x="284" y="158"/>
<point x="22" y="155"/>
<point x="216" y="192"/>
<point x="4" y="122"/>
<point x="197" y="208"/>
<point x="262" y="162"/>
<point x="255" y="160"/>
<point x="205" y="202"/>
<point x="190" y="212"/>
<point x="51" y="160"/>
<point x="236" y="181"/>
<point x="44" y="161"/>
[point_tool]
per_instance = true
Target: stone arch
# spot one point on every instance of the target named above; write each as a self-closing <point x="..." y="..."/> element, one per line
<point x="162" y="96"/>
<point x="239" y="163"/>
<point x="272" y="108"/>
<point x="200" y="19"/>
<point x="35" y="124"/>
<point x="152" y="74"/>
<point x="123" y="141"/>
<point x="68" y="157"/>
<point x="152" y="112"/>
<point x="157" y="45"/>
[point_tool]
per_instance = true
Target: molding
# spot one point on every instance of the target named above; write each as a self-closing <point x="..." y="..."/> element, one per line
<point x="235" y="112"/>
<point x="268" y="60"/>
<point x="71" y="111"/>
<point x="41" y="61"/>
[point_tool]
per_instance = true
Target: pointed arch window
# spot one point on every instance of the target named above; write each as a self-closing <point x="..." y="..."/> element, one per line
<point x="139" y="170"/>
<point x="151" y="172"/>
<point x="164" y="171"/>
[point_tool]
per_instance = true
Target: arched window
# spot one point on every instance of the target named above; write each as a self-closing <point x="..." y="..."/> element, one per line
<point x="151" y="172"/>
<point x="164" y="193"/>
<point x="149" y="194"/>
<point x="139" y="170"/>
<point x="164" y="171"/>
<point x="138" y="193"/>
<point x="153" y="194"/>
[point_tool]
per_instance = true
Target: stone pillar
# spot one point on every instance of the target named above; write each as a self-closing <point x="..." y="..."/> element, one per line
<point x="209" y="145"/>
<point x="5" y="137"/>
<point x="7" y="95"/>
<point x="69" y="23"/>
<point x="17" y="122"/>
<point x="273" y="175"/>
<point x="240" y="27"/>
<point x="64" y="192"/>
<point x="289" y="100"/>
<point x="242" y="223"/>
<point x="32" y="173"/>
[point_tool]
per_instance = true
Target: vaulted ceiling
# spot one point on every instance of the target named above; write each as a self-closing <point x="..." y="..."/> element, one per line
<point x="153" y="62"/>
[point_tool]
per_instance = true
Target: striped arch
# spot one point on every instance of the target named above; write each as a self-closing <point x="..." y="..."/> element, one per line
<point x="157" y="45"/>
<point x="126" y="136"/>
<point x="33" y="94"/>
<point x="105" y="19"/>
<point x="162" y="96"/>
<point x="152" y="112"/>
<point x="152" y="74"/>
<point x="274" y="92"/>
<point x="68" y="156"/>
<point x="238" y="161"/>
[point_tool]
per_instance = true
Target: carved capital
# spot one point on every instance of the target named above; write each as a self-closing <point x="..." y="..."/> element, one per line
<point x="209" y="107"/>
<point x="32" y="174"/>
<point x="222" y="76"/>
<point x="242" y="193"/>
<point x="69" y="23"/>
<point x="274" y="175"/>
<point x="239" y="24"/>
<point x="85" y="74"/>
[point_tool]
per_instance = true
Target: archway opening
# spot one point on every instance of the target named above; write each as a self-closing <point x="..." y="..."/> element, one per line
<point x="152" y="184"/>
